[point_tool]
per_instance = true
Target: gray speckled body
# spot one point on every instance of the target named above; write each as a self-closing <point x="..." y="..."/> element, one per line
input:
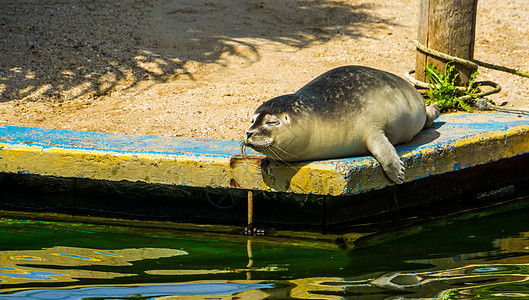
<point x="346" y="111"/>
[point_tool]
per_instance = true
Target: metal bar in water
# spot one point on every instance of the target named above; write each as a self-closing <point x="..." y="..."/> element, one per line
<point x="250" y="210"/>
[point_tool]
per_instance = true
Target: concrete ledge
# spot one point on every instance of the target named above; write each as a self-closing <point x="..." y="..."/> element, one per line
<point x="454" y="142"/>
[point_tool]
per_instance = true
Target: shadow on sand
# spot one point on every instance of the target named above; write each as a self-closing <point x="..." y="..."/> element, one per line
<point x="62" y="50"/>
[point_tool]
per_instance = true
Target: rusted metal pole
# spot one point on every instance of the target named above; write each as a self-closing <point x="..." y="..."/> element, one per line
<point x="448" y="26"/>
<point x="250" y="210"/>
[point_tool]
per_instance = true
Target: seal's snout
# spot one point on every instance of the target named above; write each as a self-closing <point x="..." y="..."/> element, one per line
<point x="246" y="138"/>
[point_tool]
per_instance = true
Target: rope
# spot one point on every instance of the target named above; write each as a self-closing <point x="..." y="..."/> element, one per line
<point x="471" y="64"/>
<point x="496" y="88"/>
<point x="425" y="85"/>
<point x="481" y="102"/>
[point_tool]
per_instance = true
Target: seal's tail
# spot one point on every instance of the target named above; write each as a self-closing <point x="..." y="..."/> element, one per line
<point x="432" y="113"/>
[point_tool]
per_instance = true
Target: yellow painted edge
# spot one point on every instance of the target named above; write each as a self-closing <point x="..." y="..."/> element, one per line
<point x="312" y="178"/>
<point x="151" y="168"/>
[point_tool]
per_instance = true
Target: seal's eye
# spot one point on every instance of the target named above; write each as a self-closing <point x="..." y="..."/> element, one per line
<point x="273" y="123"/>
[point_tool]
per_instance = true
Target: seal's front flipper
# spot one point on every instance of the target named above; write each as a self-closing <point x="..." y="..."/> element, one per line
<point x="380" y="147"/>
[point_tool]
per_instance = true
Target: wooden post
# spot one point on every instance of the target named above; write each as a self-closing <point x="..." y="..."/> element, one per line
<point x="448" y="26"/>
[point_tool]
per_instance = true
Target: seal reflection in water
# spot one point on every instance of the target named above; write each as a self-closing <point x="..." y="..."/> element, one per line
<point x="344" y="112"/>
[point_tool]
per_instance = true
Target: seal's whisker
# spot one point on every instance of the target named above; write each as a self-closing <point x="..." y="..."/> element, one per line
<point x="243" y="149"/>
<point x="270" y="150"/>
<point x="271" y="153"/>
<point x="286" y="152"/>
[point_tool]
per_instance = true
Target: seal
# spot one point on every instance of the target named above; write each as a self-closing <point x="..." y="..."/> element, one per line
<point x="347" y="111"/>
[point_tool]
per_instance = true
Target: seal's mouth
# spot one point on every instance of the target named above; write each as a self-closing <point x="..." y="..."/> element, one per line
<point x="268" y="147"/>
<point x="259" y="145"/>
<point x="256" y="141"/>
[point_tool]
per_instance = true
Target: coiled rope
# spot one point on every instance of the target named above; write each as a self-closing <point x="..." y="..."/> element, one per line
<point x="481" y="103"/>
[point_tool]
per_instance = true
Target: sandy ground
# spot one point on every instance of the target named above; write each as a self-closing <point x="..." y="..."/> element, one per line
<point x="199" y="68"/>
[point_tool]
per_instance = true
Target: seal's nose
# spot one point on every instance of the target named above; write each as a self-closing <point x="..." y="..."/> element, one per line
<point x="249" y="134"/>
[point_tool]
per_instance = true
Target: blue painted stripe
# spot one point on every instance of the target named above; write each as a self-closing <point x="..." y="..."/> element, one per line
<point x="75" y="256"/>
<point x="446" y="130"/>
<point x="118" y="143"/>
<point x="108" y="254"/>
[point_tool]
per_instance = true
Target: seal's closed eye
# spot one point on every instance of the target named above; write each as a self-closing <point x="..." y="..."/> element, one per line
<point x="273" y="122"/>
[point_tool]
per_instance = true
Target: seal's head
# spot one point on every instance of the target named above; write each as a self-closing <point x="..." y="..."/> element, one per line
<point x="275" y="131"/>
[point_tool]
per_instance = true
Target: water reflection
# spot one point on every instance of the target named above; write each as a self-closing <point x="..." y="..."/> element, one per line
<point x="466" y="276"/>
<point x="221" y="290"/>
<point x="36" y="267"/>
<point x="487" y="258"/>
<point x="438" y="264"/>
<point x="24" y="266"/>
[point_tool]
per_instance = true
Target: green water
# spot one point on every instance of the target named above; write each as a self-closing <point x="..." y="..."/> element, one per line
<point x="486" y="258"/>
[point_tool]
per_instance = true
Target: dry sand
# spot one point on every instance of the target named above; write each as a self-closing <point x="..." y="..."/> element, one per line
<point x="198" y="68"/>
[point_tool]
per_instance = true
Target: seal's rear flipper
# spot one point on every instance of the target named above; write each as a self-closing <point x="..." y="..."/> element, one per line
<point x="432" y="113"/>
<point x="380" y="147"/>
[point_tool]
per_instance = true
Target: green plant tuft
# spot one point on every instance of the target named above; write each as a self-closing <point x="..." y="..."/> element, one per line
<point x="443" y="91"/>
